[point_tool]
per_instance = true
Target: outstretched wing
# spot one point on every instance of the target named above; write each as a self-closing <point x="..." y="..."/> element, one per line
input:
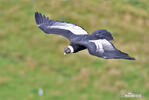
<point x="105" y="49"/>
<point x="102" y="34"/>
<point x="57" y="27"/>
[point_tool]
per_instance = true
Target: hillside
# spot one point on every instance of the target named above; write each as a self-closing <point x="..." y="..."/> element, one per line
<point x="30" y="59"/>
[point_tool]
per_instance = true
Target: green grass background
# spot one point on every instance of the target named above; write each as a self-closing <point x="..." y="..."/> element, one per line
<point x="30" y="59"/>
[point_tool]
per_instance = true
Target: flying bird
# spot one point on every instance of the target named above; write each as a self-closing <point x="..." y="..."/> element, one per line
<point x="98" y="43"/>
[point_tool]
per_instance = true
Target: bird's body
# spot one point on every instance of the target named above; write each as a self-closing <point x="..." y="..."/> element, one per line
<point x="98" y="43"/>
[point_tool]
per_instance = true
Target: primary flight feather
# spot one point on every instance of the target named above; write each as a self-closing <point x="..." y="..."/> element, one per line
<point x="98" y="43"/>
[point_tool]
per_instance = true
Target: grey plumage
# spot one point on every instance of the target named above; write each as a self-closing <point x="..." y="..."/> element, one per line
<point x="57" y="27"/>
<point x="98" y="43"/>
<point x="102" y="34"/>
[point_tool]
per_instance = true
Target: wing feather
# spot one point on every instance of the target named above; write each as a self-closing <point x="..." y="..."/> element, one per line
<point x="105" y="49"/>
<point x="102" y="34"/>
<point x="58" y="27"/>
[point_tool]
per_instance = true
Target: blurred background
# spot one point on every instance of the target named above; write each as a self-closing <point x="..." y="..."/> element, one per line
<point x="32" y="64"/>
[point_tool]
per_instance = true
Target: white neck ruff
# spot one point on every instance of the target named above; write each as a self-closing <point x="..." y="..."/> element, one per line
<point x="71" y="48"/>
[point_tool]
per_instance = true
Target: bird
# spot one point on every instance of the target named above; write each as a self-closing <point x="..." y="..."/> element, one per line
<point x="98" y="43"/>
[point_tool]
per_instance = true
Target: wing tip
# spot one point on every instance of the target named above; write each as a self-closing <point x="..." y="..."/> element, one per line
<point x="127" y="58"/>
<point x="39" y="18"/>
<point x="118" y="55"/>
<point x="131" y="58"/>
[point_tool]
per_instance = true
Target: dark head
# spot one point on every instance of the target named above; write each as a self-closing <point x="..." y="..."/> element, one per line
<point x="68" y="49"/>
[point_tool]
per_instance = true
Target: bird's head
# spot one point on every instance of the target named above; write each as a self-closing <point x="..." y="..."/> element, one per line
<point x="68" y="49"/>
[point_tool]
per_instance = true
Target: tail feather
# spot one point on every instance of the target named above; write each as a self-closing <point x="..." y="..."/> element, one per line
<point x="102" y="34"/>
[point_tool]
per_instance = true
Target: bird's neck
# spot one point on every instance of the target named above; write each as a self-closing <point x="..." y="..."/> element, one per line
<point x="77" y="48"/>
<point x="71" y="48"/>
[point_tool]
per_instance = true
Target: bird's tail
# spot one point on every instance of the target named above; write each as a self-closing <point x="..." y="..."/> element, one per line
<point x="102" y="34"/>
